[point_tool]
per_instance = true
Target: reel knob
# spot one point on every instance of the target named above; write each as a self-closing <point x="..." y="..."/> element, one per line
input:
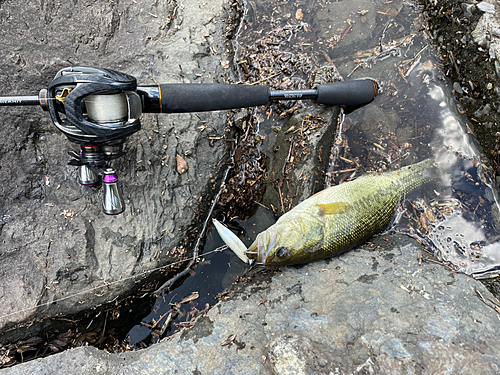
<point x="112" y="201"/>
<point x="87" y="176"/>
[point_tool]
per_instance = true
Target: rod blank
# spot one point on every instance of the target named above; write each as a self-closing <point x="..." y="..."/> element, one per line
<point x="19" y="100"/>
<point x="293" y="95"/>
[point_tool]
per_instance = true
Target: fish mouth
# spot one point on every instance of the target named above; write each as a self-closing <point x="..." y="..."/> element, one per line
<point x="252" y="252"/>
<point x="257" y="251"/>
<point x="260" y="248"/>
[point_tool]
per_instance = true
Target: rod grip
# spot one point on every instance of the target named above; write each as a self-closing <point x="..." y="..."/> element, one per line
<point x="347" y="93"/>
<point x="177" y="98"/>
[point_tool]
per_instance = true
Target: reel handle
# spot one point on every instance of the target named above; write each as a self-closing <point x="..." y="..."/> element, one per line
<point x="181" y="98"/>
<point x="99" y="108"/>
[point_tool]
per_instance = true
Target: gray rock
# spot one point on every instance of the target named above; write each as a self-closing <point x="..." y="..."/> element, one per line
<point x="54" y="239"/>
<point x="374" y="310"/>
<point x="299" y="163"/>
<point x="483" y="111"/>
<point x="486" y="29"/>
<point x="457" y="88"/>
<point x="486" y="7"/>
<point x="467" y="9"/>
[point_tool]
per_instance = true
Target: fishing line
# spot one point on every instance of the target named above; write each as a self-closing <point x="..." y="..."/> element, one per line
<point x="200" y="237"/>
<point x="167" y="284"/>
<point x="46" y="304"/>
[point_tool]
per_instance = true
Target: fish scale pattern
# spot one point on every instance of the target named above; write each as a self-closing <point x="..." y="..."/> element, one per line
<point x="371" y="203"/>
<point x="365" y="207"/>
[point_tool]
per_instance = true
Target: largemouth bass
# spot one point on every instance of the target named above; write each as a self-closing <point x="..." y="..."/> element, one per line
<point x="337" y="219"/>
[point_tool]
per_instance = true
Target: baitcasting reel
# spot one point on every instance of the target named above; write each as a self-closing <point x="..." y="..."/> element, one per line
<point x="99" y="108"/>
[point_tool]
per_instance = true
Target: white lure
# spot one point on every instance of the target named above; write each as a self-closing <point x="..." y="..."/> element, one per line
<point x="232" y="241"/>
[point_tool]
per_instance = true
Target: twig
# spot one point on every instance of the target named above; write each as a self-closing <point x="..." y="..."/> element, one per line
<point x="265" y="79"/>
<point x="440" y="263"/>
<point x="355" y="68"/>
<point x="494" y="307"/>
<point x="494" y="302"/>
<point x="327" y="58"/>
<point x="386" y="26"/>
<point x="260" y="204"/>
<point x="281" y="199"/>
<point x="347" y="170"/>
<point x="348" y="29"/>
<point x="153" y="326"/>
<point x="455" y="65"/>
<point x="400" y="71"/>
<point x="290" y="151"/>
<point x="166" y="324"/>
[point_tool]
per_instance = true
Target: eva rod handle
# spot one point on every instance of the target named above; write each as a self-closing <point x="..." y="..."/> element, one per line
<point x="177" y="98"/>
<point x="347" y="93"/>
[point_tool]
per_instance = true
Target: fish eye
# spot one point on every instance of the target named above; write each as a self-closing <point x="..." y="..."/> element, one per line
<point x="282" y="252"/>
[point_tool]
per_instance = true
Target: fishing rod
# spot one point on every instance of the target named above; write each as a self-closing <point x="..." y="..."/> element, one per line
<point x="99" y="108"/>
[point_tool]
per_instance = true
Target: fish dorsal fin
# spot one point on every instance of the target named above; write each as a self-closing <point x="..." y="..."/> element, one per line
<point x="333" y="208"/>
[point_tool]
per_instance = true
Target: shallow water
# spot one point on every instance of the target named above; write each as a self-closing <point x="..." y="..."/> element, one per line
<point x="414" y="117"/>
<point x="284" y="44"/>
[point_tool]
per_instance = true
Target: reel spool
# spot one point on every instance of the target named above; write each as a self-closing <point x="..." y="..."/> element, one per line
<point x="98" y="109"/>
<point x="93" y="105"/>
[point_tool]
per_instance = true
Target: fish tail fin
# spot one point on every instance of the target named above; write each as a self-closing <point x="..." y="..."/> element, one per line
<point x="416" y="175"/>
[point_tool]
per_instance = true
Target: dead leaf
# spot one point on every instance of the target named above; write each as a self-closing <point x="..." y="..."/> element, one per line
<point x="224" y="64"/>
<point x="299" y="15"/>
<point x="181" y="164"/>
<point x="229" y="340"/>
<point x="190" y="298"/>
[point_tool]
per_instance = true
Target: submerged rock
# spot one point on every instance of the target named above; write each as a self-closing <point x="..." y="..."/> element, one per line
<point x="473" y="64"/>
<point x="375" y="310"/>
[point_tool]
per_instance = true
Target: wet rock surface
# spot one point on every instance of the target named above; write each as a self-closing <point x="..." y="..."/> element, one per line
<point x="375" y="310"/>
<point x="467" y="34"/>
<point x="302" y="152"/>
<point x="55" y="241"/>
<point x="76" y="247"/>
<point x="468" y="40"/>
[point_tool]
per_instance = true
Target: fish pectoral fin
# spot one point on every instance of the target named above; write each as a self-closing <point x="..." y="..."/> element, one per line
<point x="333" y="208"/>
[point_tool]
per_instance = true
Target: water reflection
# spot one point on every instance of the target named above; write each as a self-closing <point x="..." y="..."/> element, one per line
<point x="467" y="236"/>
<point x="417" y="117"/>
<point x="289" y="44"/>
